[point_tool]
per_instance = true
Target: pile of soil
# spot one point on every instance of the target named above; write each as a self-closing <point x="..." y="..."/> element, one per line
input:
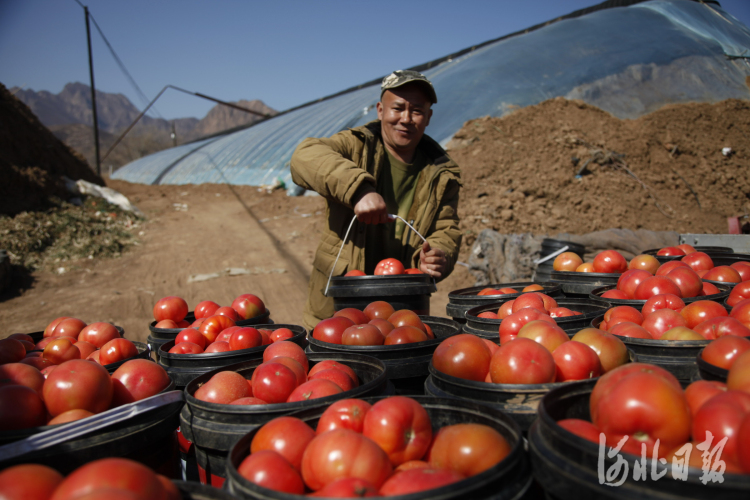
<point x="663" y="171"/>
<point x="33" y="161"/>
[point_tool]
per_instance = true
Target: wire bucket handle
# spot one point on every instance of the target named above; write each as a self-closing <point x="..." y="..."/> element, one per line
<point x="346" y="237"/>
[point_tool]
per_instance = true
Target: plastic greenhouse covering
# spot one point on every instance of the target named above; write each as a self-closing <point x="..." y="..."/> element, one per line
<point x="628" y="61"/>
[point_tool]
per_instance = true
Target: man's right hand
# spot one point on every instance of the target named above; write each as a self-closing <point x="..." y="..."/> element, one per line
<point x="370" y="207"/>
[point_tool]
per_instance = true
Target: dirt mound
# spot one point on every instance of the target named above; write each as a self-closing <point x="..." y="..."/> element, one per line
<point x="663" y="171"/>
<point x="32" y="160"/>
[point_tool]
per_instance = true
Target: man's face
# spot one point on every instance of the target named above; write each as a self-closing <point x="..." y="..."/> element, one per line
<point x="404" y="113"/>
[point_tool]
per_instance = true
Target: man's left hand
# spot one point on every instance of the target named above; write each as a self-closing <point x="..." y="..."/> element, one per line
<point x="432" y="261"/>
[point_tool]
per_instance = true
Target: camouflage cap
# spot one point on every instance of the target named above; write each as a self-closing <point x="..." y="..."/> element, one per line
<point x="402" y="77"/>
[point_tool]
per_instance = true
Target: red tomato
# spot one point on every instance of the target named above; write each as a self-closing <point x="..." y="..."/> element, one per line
<point x="416" y="480"/>
<point x="295" y="366"/>
<point x="228" y="312"/>
<point x="528" y="300"/>
<point x="205" y="308"/>
<point x="191" y="335"/>
<point x="29" y="482"/>
<point x="522" y="361"/>
<point x="248" y="306"/>
<point x="662" y="301"/>
<point x="273" y="382"/>
<point x="117" y="350"/>
<point x="405" y="317"/>
<point x="245" y="338"/>
<point x="740" y="292"/>
<point x="343" y="453"/>
<point x="645" y="407"/>
<point x="656" y="285"/>
<point x="743" y="444"/>
<point x="329" y="363"/>
<point x="60" y="350"/>
<point x="138" y="379"/>
<point x="549" y="335"/>
<point x="85" y="348"/>
<point x="98" y="333"/>
<point x="314" y="389"/>
<point x="70" y="416"/>
<point x="111" y="473"/>
<point x="389" y="266"/>
<point x="338" y="377"/>
<point x="269" y="469"/>
<point x="681" y="333"/>
<point x="287" y="349"/>
<point x="281" y="334"/>
<point x="185" y="347"/>
<point x="701" y="391"/>
<point x="581" y="428"/>
<point x="77" y="384"/>
<point x="743" y="268"/>
<point x="405" y="335"/>
<point x="401" y="427"/>
<point x="355" y="272"/>
<point x="68" y="327"/>
<point x="687" y="281"/>
<point x="664" y="269"/>
<point x="567" y="261"/>
<point x="560" y="312"/>
<point x="688" y="249"/>
<point x="224" y="387"/>
<point x="722" y="416"/>
<point x="741" y="312"/>
<point x="213" y="325"/>
<point x="611" y="351"/>
<point x="511" y="325"/>
<point x="699" y="261"/>
<point x="658" y="322"/>
<point x="586" y="267"/>
<point x="615" y="294"/>
<point x="626" y="312"/>
<point x="362" y="335"/>
<point x="576" y="361"/>
<point x="287" y="436"/>
<point x="702" y="310"/>
<point x="724" y="274"/>
<point x="468" y="449"/>
<point x="379" y="309"/>
<point x="670" y="251"/>
<point x="347" y="487"/>
<point x="383" y="325"/>
<point x="721" y="325"/>
<point x="630" y="330"/>
<point x="11" y="351"/>
<point x="218" y="346"/>
<point x="174" y="308"/>
<point x="344" y="414"/>
<point x="723" y="351"/>
<point x="464" y="356"/>
<point x="20" y="408"/>
<point x="629" y="281"/>
<point x="610" y="261"/>
<point x="739" y="375"/>
<point x="505" y="310"/>
<point x="708" y="289"/>
<point x="22" y="374"/>
<point x="645" y="262"/>
<point x="357" y="316"/>
<point x="331" y="329"/>
<point x="248" y="401"/>
<point x="50" y="328"/>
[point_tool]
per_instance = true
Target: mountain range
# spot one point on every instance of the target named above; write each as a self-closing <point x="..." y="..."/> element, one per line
<point x="68" y="115"/>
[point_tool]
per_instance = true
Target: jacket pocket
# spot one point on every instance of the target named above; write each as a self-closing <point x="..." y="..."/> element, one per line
<point x="323" y="262"/>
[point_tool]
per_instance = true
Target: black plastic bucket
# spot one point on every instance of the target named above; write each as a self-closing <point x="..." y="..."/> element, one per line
<point x="520" y="401"/>
<point x="490" y="328"/>
<point x="406" y="363"/>
<point x="707" y="371"/>
<point x="197" y="491"/>
<point x="675" y="356"/>
<point x="148" y="438"/>
<point x="213" y="428"/>
<point x="580" y="285"/>
<point x="159" y="336"/>
<point x="509" y="479"/>
<point x="460" y="301"/>
<point x="403" y="291"/>
<point x="185" y="367"/>
<point x="567" y="466"/>
<point x="720" y="297"/>
<point x="550" y="246"/>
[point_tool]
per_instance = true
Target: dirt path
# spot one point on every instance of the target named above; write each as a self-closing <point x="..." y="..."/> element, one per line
<point x="192" y="230"/>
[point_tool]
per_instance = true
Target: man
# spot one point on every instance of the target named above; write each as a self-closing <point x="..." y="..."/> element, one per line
<point x="388" y="166"/>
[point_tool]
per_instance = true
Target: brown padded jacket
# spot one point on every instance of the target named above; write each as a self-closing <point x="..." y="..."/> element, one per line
<point x="335" y="168"/>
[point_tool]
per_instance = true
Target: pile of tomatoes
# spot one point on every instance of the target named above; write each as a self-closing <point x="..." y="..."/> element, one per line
<point x="104" y="479"/>
<point x="540" y="353"/>
<point x="666" y="317"/>
<point x="358" y="449"/>
<point x="508" y="290"/>
<point x="527" y="307"/>
<point x="647" y="404"/>
<point x="68" y="338"/>
<point x="220" y="334"/>
<point x="378" y="324"/>
<point x="284" y="377"/>
<point x="75" y="389"/>
<point x="170" y="312"/>
<point x="386" y="267"/>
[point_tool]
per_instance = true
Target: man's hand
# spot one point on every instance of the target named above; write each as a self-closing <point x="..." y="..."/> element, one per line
<point x="370" y="207"/>
<point x="432" y="261"/>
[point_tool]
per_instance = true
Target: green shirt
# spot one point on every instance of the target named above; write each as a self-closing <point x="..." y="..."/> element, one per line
<point x="397" y="185"/>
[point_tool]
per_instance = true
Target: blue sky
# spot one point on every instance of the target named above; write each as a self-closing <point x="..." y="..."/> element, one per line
<point x="284" y="52"/>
